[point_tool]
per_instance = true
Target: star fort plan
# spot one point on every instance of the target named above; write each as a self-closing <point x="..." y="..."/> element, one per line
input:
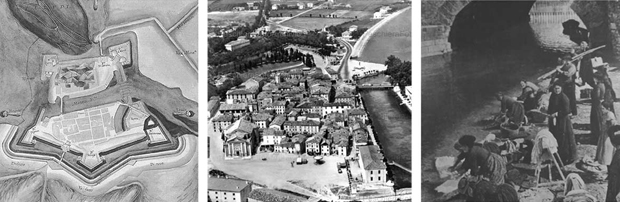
<point x="99" y="101"/>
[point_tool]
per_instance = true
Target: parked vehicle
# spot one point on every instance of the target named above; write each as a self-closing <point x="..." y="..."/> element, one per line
<point x="301" y="161"/>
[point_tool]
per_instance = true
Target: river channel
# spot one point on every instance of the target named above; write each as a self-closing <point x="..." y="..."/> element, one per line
<point x="457" y="85"/>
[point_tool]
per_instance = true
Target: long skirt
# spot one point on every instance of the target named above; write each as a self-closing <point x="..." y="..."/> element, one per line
<point x="516" y="114"/>
<point x="604" y="149"/>
<point x="613" y="185"/>
<point x="569" y="90"/>
<point x="563" y="132"/>
<point x="495" y="169"/>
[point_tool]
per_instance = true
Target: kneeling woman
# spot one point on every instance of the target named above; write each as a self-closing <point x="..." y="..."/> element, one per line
<point x="482" y="164"/>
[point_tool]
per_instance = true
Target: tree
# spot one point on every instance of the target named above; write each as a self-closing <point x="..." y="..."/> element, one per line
<point x="309" y="59"/>
<point x="267" y="7"/>
<point x="399" y="71"/>
<point x="332" y="94"/>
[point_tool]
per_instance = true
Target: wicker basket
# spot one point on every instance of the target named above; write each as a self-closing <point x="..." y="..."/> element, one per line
<point x="586" y="93"/>
<point x="509" y="130"/>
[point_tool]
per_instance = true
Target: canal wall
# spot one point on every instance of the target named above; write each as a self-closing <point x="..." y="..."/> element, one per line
<point x="375" y="138"/>
<point x="435" y="40"/>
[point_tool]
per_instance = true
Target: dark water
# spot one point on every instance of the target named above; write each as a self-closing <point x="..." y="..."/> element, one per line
<point x="456" y="84"/>
<point x="453" y="85"/>
<point x="392" y="125"/>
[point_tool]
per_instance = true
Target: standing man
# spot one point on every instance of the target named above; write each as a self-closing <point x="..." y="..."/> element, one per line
<point x="581" y="37"/>
<point x="565" y="77"/>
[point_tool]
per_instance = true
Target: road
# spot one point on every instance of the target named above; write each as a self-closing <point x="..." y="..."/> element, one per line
<point x="316" y="7"/>
<point x="361" y="42"/>
<point x="344" y="71"/>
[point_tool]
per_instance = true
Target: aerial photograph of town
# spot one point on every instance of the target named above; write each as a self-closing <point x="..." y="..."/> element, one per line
<point x="309" y="100"/>
<point x="98" y="100"/>
<point x="519" y="101"/>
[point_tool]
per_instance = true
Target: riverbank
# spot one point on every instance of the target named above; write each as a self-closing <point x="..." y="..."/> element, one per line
<point x="391" y="125"/>
<point x="469" y="124"/>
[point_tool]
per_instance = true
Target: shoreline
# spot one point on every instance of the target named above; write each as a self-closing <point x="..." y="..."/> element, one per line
<point x="468" y="124"/>
<point x="374" y="124"/>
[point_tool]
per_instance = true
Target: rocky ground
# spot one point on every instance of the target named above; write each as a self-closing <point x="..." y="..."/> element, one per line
<point x="523" y="175"/>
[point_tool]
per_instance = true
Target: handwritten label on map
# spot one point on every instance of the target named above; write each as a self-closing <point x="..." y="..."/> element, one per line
<point x="186" y="52"/>
<point x="86" y="188"/>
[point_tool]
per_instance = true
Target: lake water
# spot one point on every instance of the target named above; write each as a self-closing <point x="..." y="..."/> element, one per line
<point x="393" y="38"/>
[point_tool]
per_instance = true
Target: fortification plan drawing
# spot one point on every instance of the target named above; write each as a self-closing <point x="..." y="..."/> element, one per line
<point x="98" y="100"/>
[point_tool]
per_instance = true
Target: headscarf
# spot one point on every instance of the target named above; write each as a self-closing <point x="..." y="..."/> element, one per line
<point x="467" y="140"/>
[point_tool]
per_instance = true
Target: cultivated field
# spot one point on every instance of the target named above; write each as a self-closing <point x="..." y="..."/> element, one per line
<point x="226" y="5"/>
<point x="228" y="17"/>
<point x="340" y="13"/>
<point x="285" y="13"/>
<point x="369" y="6"/>
<point x="314" y="23"/>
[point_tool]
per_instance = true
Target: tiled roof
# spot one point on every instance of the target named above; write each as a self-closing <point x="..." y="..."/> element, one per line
<point x="344" y="95"/>
<point x="269" y="87"/>
<point x="237" y="42"/>
<point x="279" y="120"/>
<point x="279" y="103"/>
<point x="342" y="142"/>
<point x="237" y="106"/>
<point x="261" y="117"/>
<point x="315" y="139"/>
<point x="361" y="136"/>
<point x="313" y="115"/>
<point x="223" y="118"/>
<point x="228" y="185"/>
<point x="243" y="91"/>
<point x="263" y="95"/>
<point x="358" y="125"/>
<point x="337" y="104"/>
<point x="272" y="132"/>
<point x="293" y="112"/>
<point x="212" y="104"/>
<point x="305" y="105"/>
<point x="298" y="138"/>
<point x="241" y="125"/>
<point x="371" y="157"/>
<point x="302" y="123"/>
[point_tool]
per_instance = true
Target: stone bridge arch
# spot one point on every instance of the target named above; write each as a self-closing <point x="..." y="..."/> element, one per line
<point x="439" y="15"/>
